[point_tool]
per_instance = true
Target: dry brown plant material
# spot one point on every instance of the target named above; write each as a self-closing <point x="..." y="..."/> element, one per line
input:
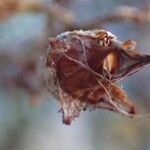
<point x="82" y="69"/>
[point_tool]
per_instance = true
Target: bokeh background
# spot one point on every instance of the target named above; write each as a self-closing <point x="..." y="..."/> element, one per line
<point x="29" y="118"/>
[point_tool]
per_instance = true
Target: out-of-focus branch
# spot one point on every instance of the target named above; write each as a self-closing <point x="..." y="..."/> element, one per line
<point x="124" y="13"/>
<point x="20" y="75"/>
<point x="9" y="7"/>
<point x="66" y="17"/>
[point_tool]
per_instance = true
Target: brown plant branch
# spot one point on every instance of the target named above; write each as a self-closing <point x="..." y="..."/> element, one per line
<point x="66" y="17"/>
<point x="124" y="13"/>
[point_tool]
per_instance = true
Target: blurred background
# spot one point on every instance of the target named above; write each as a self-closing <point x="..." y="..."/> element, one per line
<point x="30" y="120"/>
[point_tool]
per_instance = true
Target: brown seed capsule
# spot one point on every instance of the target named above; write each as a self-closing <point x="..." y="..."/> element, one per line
<point x="84" y="67"/>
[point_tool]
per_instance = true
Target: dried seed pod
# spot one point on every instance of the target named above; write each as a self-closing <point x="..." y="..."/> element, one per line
<point x="84" y="67"/>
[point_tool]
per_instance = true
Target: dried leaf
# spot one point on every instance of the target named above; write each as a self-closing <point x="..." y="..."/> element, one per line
<point x="88" y="65"/>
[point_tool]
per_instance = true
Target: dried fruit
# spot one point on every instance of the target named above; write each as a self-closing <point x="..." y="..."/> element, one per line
<point x="82" y="69"/>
